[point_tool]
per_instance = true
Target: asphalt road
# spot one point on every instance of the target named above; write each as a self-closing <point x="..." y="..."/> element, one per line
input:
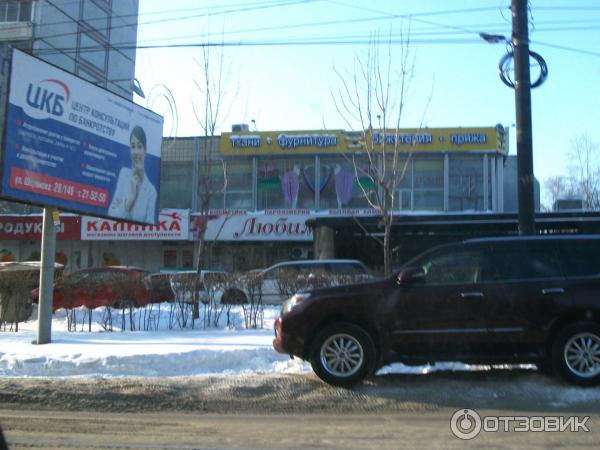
<point x="291" y="412"/>
<point x="101" y="430"/>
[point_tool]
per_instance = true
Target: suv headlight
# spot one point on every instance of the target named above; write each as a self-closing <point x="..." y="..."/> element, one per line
<point x="293" y="301"/>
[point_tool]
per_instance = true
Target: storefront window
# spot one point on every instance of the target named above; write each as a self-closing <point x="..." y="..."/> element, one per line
<point x="187" y="258"/>
<point x="286" y="183"/>
<point x="175" y="182"/>
<point x="170" y="259"/>
<point x="466" y="183"/>
<point x="428" y="184"/>
<point x="239" y="184"/>
<point x="404" y="169"/>
<point x="339" y="185"/>
<point x="211" y="184"/>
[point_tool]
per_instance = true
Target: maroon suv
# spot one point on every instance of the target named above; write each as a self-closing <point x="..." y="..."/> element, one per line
<point x="490" y="301"/>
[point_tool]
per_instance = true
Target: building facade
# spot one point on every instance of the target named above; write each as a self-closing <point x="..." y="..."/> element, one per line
<point x="94" y="39"/>
<point x="253" y="193"/>
<point x="261" y="187"/>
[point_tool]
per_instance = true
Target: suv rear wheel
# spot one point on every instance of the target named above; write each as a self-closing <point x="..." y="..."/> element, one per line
<point x="576" y="353"/>
<point x="343" y="354"/>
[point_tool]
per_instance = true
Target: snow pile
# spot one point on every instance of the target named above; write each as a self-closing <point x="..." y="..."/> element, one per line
<point x="164" y="351"/>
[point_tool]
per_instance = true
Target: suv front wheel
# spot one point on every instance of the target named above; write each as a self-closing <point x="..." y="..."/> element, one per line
<point x="576" y="353"/>
<point x="343" y="354"/>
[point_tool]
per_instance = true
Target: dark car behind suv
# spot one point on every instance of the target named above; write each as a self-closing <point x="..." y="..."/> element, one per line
<point x="490" y="300"/>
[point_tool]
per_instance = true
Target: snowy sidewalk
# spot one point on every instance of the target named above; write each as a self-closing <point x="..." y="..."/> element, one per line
<point x="163" y="352"/>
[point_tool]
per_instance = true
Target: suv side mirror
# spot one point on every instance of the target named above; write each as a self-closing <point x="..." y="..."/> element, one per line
<point x="410" y="275"/>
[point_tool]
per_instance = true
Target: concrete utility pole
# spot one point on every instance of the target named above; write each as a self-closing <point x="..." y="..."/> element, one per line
<point x="44" y="335"/>
<point x="520" y="42"/>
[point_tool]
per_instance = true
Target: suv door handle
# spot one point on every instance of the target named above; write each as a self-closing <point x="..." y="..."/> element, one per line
<point x="548" y="291"/>
<point x="471" y="294"/>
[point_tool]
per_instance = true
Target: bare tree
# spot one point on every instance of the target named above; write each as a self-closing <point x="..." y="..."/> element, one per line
<point x="374" y="97"/>
<point x="558" y="187"/>
<point x="233" y="295"/>
<point x="15" y="295"/>
<point x="583" y="179"/>
<point x="212" y="171"/>
<point x="214" y="285"/>
<point x="585" y="170"/>
<point x="185" y="288"/>
<point x="69" y="290"/>
<point x="129" y="292"/>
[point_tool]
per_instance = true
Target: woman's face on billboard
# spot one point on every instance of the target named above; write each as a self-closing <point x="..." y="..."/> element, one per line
<point x="138" y="153"/>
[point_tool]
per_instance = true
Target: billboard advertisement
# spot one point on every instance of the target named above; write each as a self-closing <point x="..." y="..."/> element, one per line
<point x="78" y="147"/>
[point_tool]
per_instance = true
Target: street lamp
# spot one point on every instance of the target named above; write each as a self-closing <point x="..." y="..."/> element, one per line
<point x="493" y="38"/>
<point x="134" y="85"/>
<point x="137" y="88"/>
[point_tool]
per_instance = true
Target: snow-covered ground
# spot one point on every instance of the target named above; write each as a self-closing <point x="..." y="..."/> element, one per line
<point x="163" y="351"/>
<point x="168" y="351"/>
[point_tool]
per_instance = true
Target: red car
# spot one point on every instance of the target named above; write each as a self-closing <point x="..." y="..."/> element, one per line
<point x="101" y="286"/>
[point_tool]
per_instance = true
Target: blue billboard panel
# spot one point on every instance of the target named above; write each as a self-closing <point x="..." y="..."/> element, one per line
<point x="78" y="147"/>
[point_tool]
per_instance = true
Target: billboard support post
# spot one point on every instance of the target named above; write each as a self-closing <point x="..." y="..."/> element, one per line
<point x="44" y="332"/>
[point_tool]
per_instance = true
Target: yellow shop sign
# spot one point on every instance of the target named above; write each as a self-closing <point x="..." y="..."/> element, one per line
<point x="489" y="139"/>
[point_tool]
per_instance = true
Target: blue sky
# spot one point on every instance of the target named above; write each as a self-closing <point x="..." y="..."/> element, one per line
<point x="289" y="87"/>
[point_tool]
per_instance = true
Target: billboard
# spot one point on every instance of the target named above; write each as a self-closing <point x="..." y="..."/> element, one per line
<point x="78" y="147"/>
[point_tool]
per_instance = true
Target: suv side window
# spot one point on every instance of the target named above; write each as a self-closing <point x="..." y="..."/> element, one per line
<point x="454" y="266"/>
<point x="581" y="259"/>
<point x="519" y="263"/>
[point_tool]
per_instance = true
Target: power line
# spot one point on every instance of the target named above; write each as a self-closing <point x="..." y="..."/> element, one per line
<point x="564" y="47"/>
<point x="490" y="27"/>
<point x="412" y="17"/>
<point x="366" y="40"/>
<point x="336" y="41"/>
<point x="162" y="20"/>
<point x="330" y="22"/>
<point x="333" y="40"/>
<point x="10" y="26"/>
<point x="568" y="8"/>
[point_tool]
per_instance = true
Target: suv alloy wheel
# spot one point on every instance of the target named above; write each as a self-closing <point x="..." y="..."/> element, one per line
<point x="343" y="354"/>
<point x="576" y="353"/>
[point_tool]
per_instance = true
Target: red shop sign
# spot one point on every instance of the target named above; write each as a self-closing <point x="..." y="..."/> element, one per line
<point x="29" y="228"/>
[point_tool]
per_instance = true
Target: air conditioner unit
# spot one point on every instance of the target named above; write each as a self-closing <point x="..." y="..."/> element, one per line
<point x="240" y="128"/>
<point x="568" y="204"/>
<point x="299" y="253"/>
